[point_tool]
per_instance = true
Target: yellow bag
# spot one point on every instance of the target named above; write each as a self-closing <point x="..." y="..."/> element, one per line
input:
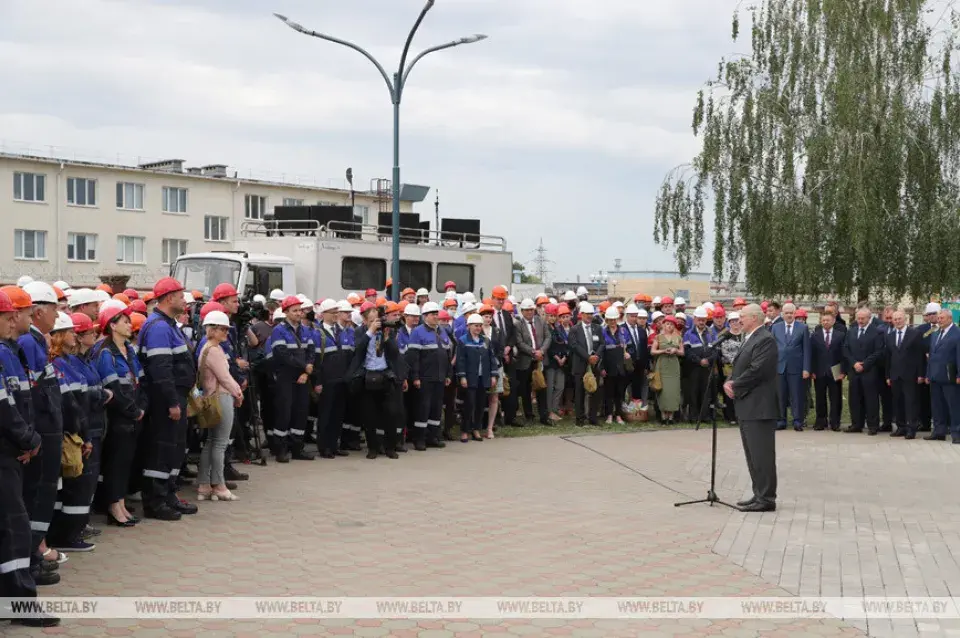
<point x="539" y="382"/>
<point x="205" y="409"/>
<point x="589" y="381"/>
<point x="656" y="381"/>
<point x="506" y="385"/>
<point x="71" y="458"/>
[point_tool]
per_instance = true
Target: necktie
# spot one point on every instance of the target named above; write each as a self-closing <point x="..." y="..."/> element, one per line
<point x="828" y="338"/>
<point x="860" y="336"/>
<point x="500" y="320"/>
<point x="587" y="334"/>
<point x="636" y="339"/>
<point x="789" y="330"/>
<point x="534" y="331"/>
<point x="899" y="337"/>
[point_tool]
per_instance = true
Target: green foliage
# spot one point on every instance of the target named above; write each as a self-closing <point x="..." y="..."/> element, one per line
<point x="830" y="155"/>
<point x="524" y="277"/>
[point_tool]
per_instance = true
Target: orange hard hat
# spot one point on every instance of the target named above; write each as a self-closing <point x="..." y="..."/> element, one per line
<point x="508" y="306"/>
<point x="61" y="296"/>
<point x="403" y="305"/>
<point x="381" y="302"/>
<point x="197" y="295"/>
<point x="449" y="303"/>
<point x="105" y="288"/>
<point x="563" y="309"/>
<point x="543" y="300"/>
<point x="488" y="301"/>
<point x="148" y="297"/>
<point x="122" y="297"/>
<point x="353" y="299"/>
<point x="18" y="297"/>
<point x="392" y="306"/>
<point x="604" y="305"/>
<point x="137" y="320"/>
<point x="486" y="309"/>
<point x="408" y="291"/>
<point x="499" y="292"/>
<point x="389" y="281"/>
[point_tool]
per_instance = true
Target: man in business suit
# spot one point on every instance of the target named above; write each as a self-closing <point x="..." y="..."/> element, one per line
<point x="504" y="322"/>
<point x="863" y="350"/>
<point x="905" y="368"/>
<point x="885" y="323"/>
<point x="639" y="351"/>
<point x="826" y="351"/>
<point x="942" y="375"/>
<point x="586" y="343"/>
<point x="533" y="343"/>
<point x="929" y="328"/>
<point x="753" y="385"/>
<point x="793" y="366"/>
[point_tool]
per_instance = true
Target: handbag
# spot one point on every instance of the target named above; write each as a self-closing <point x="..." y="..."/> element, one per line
<point x="589" y="381"/>
<point x="506" y="385"/>
<point x="71" y="456"/>
<point x="374" y="380"/>
<point x="655" y="380"/>
<point x="538" y="381"/>
<point x="205" y="409"/>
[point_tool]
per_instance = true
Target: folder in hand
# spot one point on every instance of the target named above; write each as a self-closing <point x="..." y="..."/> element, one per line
<point x="836" y="371"/>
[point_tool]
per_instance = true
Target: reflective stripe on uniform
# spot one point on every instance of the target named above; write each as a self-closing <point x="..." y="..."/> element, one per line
<point x="418" y="424"/>
<point x="37" y="526"/>
<point x="180" y="349"/>
<point x="14" y="565"/>
<point x="175" y="471"/>
<point x="156" y="474"/>
<point x="110" y="378"/>
<point x="76" y="510"/>
<point x="433" y="422"/>
<point x="153" y="352"/>
<point x="428" y="346"/>
<point x="297" y="432"/>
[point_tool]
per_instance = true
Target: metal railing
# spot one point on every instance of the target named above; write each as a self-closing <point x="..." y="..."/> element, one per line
<point x="356" y="231"/>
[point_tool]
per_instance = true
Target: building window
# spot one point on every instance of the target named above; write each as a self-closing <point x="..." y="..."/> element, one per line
<point x="173" y="248"/>
<point x="358" y="273"/>
<point x="416" y="274"/>
<point x="81" y="191"/>
<point x="129" y="196"/>
<point x="292" y="201"/>
<point x="215" y="228"/>
<point x="460" y="274"/>
<point x="30" y="244"/>
<point x="256" y="206"/>
<point x="174" y="200"/>
<point x="361" y="214"/>
<point x="81" y="247"/>
<point x="130" y="250"/>
<point x="324" y="202"/>
<point x="29" y="187"/>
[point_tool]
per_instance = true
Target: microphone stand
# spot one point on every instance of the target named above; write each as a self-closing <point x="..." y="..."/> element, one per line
<point x="711" y="396"/>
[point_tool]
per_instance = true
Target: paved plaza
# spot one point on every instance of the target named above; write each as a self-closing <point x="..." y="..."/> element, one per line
<point x="548" y="516"/>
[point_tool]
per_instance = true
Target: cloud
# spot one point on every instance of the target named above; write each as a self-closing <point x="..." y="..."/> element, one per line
<point x="567" y="105"/>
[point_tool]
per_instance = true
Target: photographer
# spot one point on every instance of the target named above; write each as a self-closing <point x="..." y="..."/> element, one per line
<point x="375" y="377"/>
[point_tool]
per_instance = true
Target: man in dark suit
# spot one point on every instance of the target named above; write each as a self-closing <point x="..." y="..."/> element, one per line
<point x="793" y="366"/>
<point x="863" y="351"/>
<point x="503" y="320"/>
<point x="929" y="328"/>
<point x="943" y="377"/>
<point x="753" y="385"/>
<point x="826" y="352"/>
<point x="533" y="343"/>
<point x="905" y="368"/>
<point x="586" y="343"/>
<point x="885" y="323"/>
<point x="639" y="351"/>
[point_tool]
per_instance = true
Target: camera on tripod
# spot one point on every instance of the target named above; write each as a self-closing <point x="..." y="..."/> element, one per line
<point x="381" y="313"/>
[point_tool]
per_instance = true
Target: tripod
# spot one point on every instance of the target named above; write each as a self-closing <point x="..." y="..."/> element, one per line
<point x="711" y="396"/>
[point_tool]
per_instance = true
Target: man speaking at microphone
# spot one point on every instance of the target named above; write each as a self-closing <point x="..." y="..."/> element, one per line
<point x="753" y="386"/>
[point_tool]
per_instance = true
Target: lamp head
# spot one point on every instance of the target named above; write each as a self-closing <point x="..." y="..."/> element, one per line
<point x="473" y="38"/>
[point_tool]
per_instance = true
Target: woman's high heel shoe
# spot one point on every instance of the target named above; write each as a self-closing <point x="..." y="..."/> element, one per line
<point x="112" y="520"/>
<point x="224" y="496"/>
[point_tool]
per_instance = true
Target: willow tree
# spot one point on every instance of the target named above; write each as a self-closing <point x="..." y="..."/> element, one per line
<point x="829" y="155"/>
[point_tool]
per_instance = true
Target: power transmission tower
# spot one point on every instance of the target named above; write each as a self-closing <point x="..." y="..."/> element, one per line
<point x="541" y="263"/>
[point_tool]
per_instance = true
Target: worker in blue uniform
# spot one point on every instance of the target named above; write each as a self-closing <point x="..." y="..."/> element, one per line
<point x="430" y="375"/>
<point x="409" y="351"/>
<point x="330" y="370"/>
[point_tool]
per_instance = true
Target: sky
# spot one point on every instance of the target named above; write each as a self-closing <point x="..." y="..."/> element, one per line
<point x="561" y="126"/>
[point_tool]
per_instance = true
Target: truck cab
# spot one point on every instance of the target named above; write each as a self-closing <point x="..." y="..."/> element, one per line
<point x="251" y="273"/>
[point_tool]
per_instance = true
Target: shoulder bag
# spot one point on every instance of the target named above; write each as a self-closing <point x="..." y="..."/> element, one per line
<point x="204" y="408"/>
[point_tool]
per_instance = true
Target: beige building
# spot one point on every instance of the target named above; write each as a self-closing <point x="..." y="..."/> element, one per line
<point x="694" y="288"/>
<point x="77" y="221"/>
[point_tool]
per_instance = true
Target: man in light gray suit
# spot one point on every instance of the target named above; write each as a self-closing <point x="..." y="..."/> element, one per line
<point x="753" y="385"/>
<point x="533" y="343"/>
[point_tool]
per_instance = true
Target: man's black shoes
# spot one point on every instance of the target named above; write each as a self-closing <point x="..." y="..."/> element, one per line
<point x="759" y="507"/>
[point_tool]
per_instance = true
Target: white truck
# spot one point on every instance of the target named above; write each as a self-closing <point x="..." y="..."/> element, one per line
<point x="343" y="257"/>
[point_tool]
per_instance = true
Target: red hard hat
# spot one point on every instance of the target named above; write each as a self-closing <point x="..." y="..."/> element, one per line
<point x="290" y="301"/>
<point x="551" y="309"/>
<point x="449" y="285"/>
<point x="719" y="312"/>
<point x="764" y="306"/>
<point x="365" y="306"/>
<point x="5" y="304"/>
<point x="81" y="323"/>
<point x="109" y="314"/>
<point x="212" y="305"/>
<point x="443" y="314"/>
<point x="738" y="302"/>
<point x="666" y="300"/>
<point x="802" y="313"/>
<point x="370" y="293"/>
<point x="222" y="291"/>
<point x="138" y="305"/>
<point x="131" y="294"/>
<point x="166" y="286"/>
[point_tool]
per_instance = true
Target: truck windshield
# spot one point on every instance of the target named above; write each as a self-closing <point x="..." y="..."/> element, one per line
<point x="205" y="274"/>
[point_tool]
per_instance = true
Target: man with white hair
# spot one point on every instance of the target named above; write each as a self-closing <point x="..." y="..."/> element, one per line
<point x="793" y="366"/>
<point x="863" y="350"/>
<point x="943" y="375"/>
<point x="753" y="384"/>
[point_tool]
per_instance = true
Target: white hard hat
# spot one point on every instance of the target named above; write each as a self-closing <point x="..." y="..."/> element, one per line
<point x="582" y="291"/>
<point x="102" y="296"/>
<point x="618" y="304"/>
<point x="451" y="294"/>
<point x="468" y="297"/>
<point x="113" y="303"/>
<point x="62" y="285"/>
<point x="528" y="304"/>
<point x="468" y="307"/>
<point x="642" y="313"/>
<point x="344" y="306"/>
<point x="305" y="303"/>
<point x="40" y="292"/>
<point x="586" y="308"/>
<point x="63" y="322"/>
<point x="430" y="306"/>
<point x="569" y="296"/>
<point x="656" y="300"/>
<point x="931" y="308"/>
<point x="733" y="316"/>
<point x="356" y="318"/>
<point x="709" y="305"/>
<point x="412" y="310"/>
<point x="216" y="318"/>
<point x="277" y="314"/>
<point x="82" y="296"/>
<point x="330" y="305"/>
<point x="612" y="313"/>
<point x="552" y="300"/>
<point x="680" y="315"/>
<point x="24" y="280"/>
<point x="512" y="299"/>
<point x="423" y="292"/>
<point x="277" y="295"/>
<point x="258" y="298"/>
<point x="700" y="312"/>
<point x="632" y="309"/>
<point x="474" y="320"/>
<point x="188" y="297"/>
<point x="679" y="301"/>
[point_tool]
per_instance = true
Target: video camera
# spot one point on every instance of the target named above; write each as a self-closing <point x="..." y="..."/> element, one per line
<point x="381" y="313"/>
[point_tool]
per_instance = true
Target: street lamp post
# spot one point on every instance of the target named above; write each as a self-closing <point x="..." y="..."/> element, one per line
<point x="395" y="87"/>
